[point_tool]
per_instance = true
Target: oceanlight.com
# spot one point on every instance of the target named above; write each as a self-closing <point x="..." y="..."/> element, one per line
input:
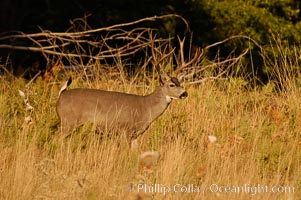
<point x="251" y="189"/>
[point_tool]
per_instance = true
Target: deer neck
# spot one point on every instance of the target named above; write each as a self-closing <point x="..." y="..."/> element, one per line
<point x="156" y="102"/>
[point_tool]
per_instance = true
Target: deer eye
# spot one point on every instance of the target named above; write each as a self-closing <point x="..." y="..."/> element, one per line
<point x="172" y="85"/>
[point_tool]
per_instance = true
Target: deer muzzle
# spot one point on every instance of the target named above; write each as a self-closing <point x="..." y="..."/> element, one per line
<point x="183" y="95"/>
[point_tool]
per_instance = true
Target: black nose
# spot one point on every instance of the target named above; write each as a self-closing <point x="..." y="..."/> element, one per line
<point x="183" y="95"/>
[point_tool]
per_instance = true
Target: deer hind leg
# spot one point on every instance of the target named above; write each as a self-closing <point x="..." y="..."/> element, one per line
<point x="66" y="128"/>
<point x="132" y="139"/>
<point x="134" y="145"/>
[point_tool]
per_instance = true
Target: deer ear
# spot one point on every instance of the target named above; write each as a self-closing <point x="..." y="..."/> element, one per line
<point x="175" y="81"/>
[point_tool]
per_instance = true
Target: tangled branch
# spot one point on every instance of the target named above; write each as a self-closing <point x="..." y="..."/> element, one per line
<point x="124" y="40"/>
<point x="63" y="44"/>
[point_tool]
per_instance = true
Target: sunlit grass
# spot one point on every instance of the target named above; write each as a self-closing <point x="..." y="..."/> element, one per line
<point x="257" y="131"/>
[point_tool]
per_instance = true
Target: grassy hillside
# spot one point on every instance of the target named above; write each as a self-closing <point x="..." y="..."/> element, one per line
<point x="256" y="155"/>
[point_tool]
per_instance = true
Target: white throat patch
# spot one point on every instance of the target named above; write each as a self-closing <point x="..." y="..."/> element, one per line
<point x="168" y="99"/>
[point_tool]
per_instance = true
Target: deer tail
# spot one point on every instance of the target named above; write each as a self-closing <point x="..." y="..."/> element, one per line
<point x="65" y="86"/>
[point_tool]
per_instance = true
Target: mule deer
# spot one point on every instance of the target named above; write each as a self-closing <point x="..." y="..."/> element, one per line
<point x="110" y="110"/>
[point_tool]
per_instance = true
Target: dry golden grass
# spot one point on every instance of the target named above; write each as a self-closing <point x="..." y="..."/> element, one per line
<point x="258" y="143"/>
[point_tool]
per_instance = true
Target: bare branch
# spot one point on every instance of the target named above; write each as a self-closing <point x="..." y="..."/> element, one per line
<point x="231" y="38"/>
<point x="60" y="44"/>
<point x="228" y="62"/>
<point x="206" y="79"/>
